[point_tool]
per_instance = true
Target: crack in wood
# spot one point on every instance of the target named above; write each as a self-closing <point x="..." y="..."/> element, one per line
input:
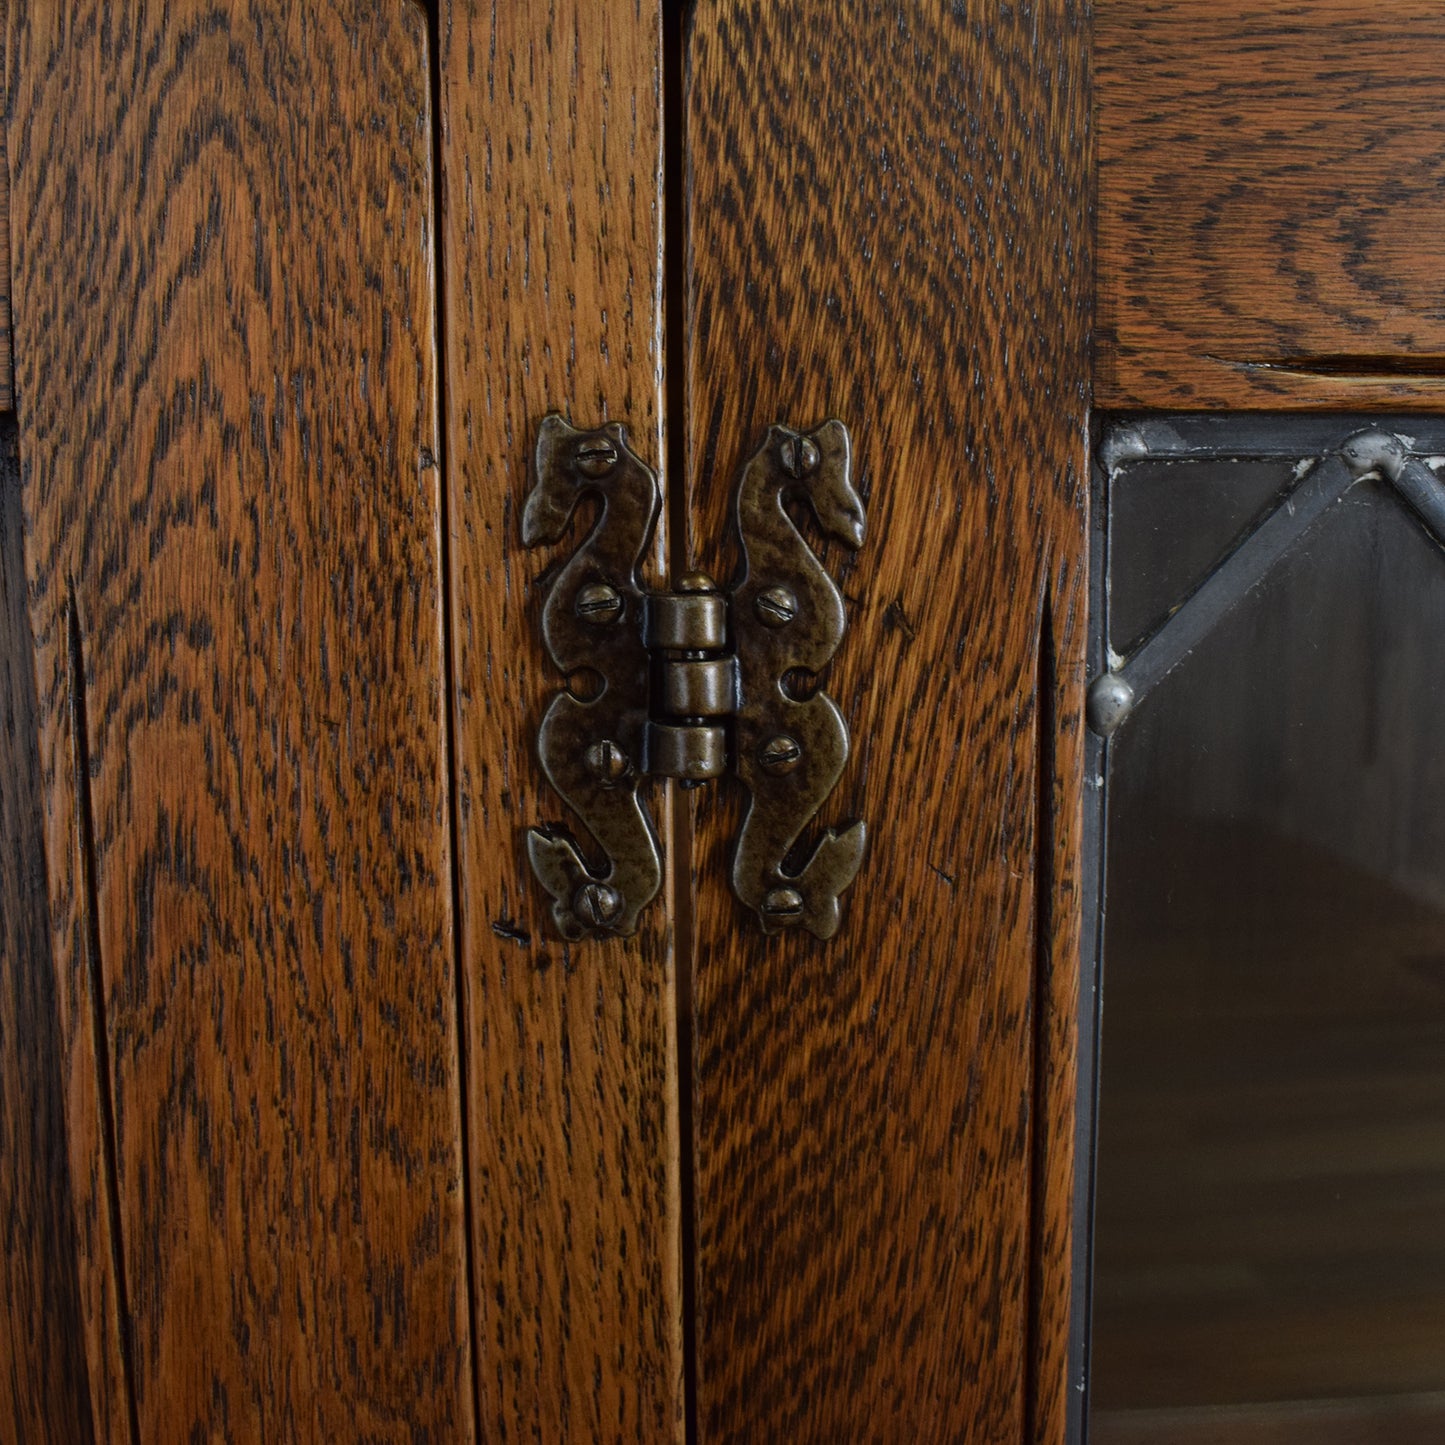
<point x="85" y="847"/>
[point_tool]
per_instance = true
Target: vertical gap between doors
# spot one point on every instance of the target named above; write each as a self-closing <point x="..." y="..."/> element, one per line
<point x="449" y="731"/>
<point x="1041" y="1007"/>
<point x="100" y="1037"/>
<point x="675" y="18"/>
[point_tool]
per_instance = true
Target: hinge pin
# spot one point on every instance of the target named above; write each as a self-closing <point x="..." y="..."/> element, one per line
<point x="695" y="582"/>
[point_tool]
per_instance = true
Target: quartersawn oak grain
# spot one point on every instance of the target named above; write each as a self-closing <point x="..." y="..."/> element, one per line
<point x="7" y="367"/>
<point x="43" y="1391"/>
<point x="228" y="440"/>
<point x="1271" y="204"/>
<point x="889" y="222"/>
<point x="551" y="167"/>
<point x="1051" y="1395"/>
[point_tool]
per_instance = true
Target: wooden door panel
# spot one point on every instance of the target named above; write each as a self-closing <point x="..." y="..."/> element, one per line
<point x="551" y="163"/>
<point x="888" y="222"/>
<point x="228" y="437"/>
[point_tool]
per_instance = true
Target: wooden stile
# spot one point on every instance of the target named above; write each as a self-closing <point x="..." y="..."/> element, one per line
<point x="551" y="164"/>
<point x="888" y="222"/>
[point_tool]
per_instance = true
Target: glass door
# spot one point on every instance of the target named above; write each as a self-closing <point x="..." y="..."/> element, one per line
<point x="1268" y="713"/>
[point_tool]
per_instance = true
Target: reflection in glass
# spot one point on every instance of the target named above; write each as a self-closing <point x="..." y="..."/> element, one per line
<point x="1174" y="520"/>
<point x="1269" y="1246"/>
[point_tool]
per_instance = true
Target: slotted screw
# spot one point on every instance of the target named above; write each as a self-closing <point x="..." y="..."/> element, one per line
<point x="780" y="754"/>
<point x="596" y="904"/>
<point x="799" y="454"/>
<point x="597" y="602"/>
<point x="596" y="458"/>
<point x="606" y="762"/>
<point x="775" y="607"/>
<point x="783" y="905"/>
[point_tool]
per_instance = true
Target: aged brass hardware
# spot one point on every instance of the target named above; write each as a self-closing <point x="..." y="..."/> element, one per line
<point x="693" y="682"/>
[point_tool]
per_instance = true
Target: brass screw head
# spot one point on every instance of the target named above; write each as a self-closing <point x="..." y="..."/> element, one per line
<point x="780" y="754"/>
<point x="799" y="454"/>
<point x="783" y="905"/>
<point x="596" y="905"/>
<point x="597" y="458"/>
<point x="599" y="603"/>
<point x="606" y="762"/>
<point x="776" y="607"/>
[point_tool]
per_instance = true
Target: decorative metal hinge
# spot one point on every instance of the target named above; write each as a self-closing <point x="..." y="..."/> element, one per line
<point x="693" y="682"/>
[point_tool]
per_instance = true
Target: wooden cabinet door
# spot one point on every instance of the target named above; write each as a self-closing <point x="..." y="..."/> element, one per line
<point x="888" y="221"/>
<point x="231" y="787"/>
<point x="312" y="1127"/>
<point x="316" y="1134"/>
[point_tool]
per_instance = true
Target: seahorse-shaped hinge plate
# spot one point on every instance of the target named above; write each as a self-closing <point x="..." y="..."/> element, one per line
<point x="591" y="746"/>
<point x="787" y="620"/>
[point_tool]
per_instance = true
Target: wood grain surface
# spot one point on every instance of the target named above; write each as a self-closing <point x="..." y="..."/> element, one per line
<point x="1059" y="906"/>
<point x="228" y="443"/>
<point x="1271" y="203"/>
<point x="7" y="367"/>
<point x="44" y="1396"/>
<point x="551" y="164"/>
<point x="1407" y="1420"/>
<point x="889" y="222"/>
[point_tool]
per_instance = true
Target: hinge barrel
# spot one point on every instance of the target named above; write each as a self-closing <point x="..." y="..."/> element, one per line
<point x="687" y="751"/>
<point x="698" y="687"/>
<point x="694" y="621"/>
